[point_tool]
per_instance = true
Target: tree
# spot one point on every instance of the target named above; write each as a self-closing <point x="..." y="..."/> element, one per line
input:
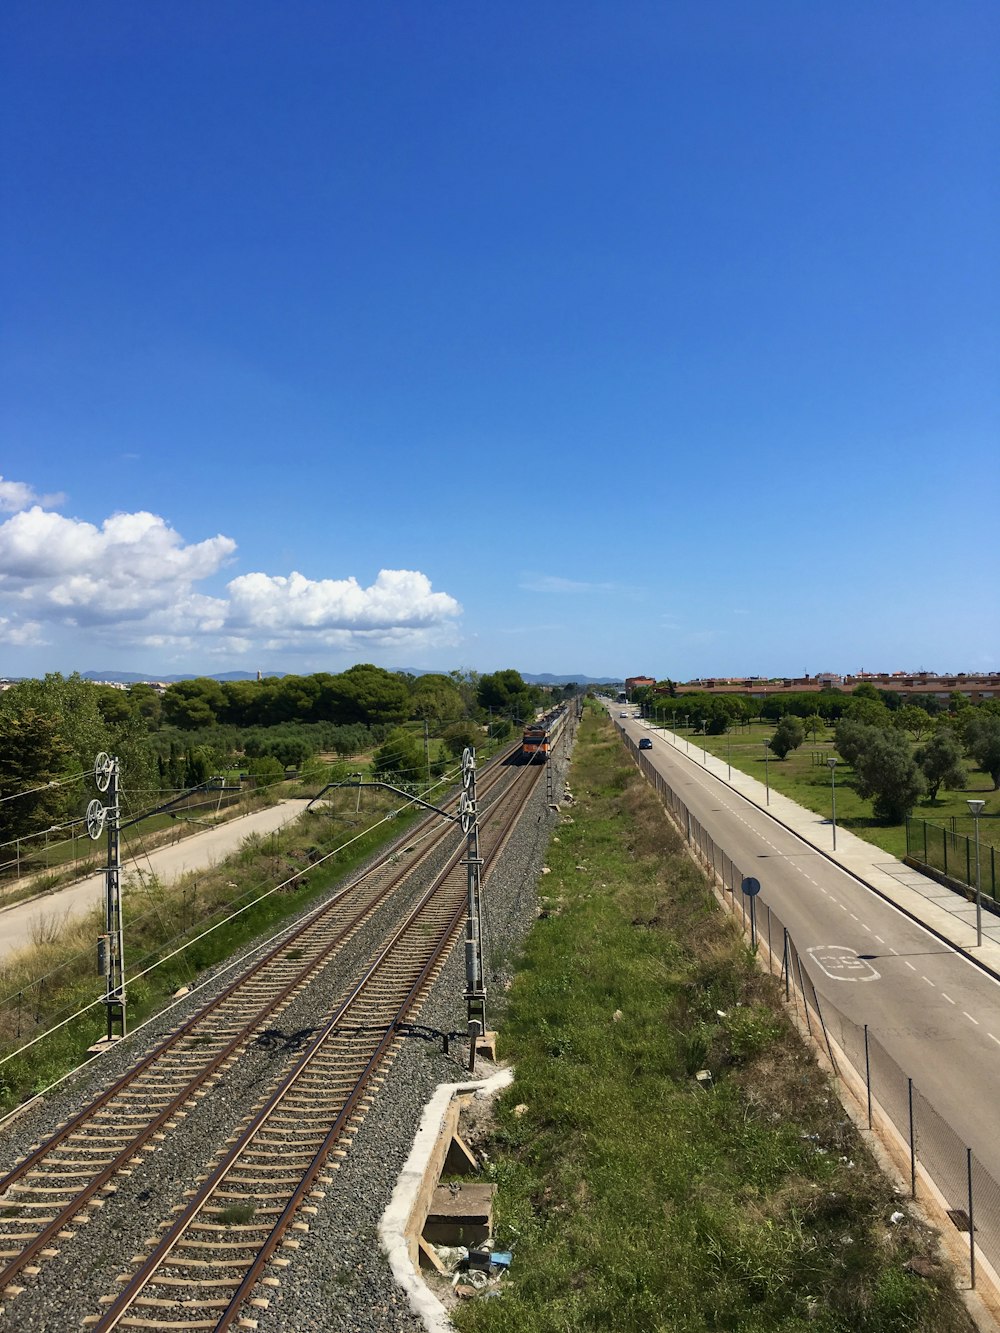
<point x="812" y="724"/>
<point x="33" y="754"/>
<point x="146" y="702"/>
<point x="367" y="694"/>
<point x="886" y="774"/>
<point x="940" y="761"/>
<point x="850" y="738"/>
<point x="198" y="766"/>
<point x="867" y="691"/>
<point x="189" y="704"/>
<point x="912" y="719"/>
<point x="872" y="712"/>
<point x="788" y="735"/>
<point x="502" y="729"/>
<point x="437" y="700"/>
<point x="266" y="770"/>
<point x="115" y="705"/>
<point x="400" y="758"/>
<point x="244" y="700"/>
<point x="505" y="692"/>
<point x="982" y="735"/>
<point x="461" y="734"/>
<point x="290" y="750"/>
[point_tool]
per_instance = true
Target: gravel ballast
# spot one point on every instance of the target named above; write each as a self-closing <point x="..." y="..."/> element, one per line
<point x="338" y="1278"/>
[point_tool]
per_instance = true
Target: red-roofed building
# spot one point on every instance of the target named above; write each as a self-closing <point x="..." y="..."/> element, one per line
<point x="637" y="683"/>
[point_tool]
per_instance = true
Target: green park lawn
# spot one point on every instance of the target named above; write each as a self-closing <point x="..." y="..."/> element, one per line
<point x="804" y="776"/>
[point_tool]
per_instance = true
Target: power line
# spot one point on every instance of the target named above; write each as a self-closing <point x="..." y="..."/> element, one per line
<point x="55" y="782"/>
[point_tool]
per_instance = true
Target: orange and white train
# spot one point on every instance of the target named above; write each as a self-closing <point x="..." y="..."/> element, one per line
<point x="540" y="737"/>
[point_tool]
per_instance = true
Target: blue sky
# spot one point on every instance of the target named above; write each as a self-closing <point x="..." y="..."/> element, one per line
<point x="590" y="338"/>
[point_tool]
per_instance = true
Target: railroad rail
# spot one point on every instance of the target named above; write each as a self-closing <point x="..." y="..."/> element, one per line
<point x="47" y="1197"/>
<point x="228" y="1232"/>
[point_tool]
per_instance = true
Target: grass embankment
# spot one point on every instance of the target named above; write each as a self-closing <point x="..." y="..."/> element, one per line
<point x="806" y="779"/>
<point x="637" y="1199"/>
<point x="41" y="986"/>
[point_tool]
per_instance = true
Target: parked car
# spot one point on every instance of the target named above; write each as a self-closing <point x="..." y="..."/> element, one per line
<point x="645" y="743"/>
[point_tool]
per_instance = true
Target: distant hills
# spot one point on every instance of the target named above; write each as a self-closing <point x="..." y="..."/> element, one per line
<point x="133" y="677"/>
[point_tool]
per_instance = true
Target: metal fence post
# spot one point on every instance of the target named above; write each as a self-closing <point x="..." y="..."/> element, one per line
<point x="913" y="1142"/>
<point x="822" y="1023"/>
<point x="805" y="997"/>
<point x="784" y="964"/>
<point x="868" y="1077"/>
<point x="972" y="1228"/>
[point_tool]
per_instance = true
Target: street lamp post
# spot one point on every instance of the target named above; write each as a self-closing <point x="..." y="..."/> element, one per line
<point x="729" y="753"/>
<point x="976" y="808"/>
<point x="767" y="771"/>
<point x="832" y="761"/>
<point x="687" y="739"/>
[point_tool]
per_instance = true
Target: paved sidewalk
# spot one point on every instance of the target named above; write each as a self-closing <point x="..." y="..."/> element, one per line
<point x="944" y="912"/>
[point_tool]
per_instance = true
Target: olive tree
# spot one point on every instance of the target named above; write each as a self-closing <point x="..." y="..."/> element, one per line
<point x="940" y="761"/>
<point x="886" y="773"/>
<point x="788" y="735"/>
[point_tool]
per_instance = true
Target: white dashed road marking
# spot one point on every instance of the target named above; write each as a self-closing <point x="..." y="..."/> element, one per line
<point x="947" y="997"/>
<point x="970" y="1018"/>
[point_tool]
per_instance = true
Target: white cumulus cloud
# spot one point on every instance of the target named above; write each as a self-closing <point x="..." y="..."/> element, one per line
<point x="134" y="581"/>
<point x="399" y="599"/>
<point x="129" y="566"/>
<point x="15" y="495"/>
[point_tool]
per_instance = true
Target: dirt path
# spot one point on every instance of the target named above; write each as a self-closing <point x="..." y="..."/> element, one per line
<point x="19" y="922"/>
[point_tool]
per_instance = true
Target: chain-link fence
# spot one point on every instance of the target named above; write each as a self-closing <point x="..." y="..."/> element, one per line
<point x="938" y="1159"/>
<point x="952" y="853"/>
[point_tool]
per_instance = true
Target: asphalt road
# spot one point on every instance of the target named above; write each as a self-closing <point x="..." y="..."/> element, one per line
<point x="19" y="923"/>
<point x="935" y="1012"/>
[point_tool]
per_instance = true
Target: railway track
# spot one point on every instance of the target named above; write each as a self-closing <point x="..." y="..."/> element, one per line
<point x="47" y="1197"/>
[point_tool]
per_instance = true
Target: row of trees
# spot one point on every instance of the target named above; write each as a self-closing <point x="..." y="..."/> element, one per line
<point x="917" y="714"/>
<point x="364" y="694"/>
<point x="51" y="730"/>
<point x="899" y="749"/>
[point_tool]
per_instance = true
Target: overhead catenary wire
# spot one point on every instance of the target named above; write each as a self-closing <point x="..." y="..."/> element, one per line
<point x="136" y="976"/>
<point x="54" y="782"/>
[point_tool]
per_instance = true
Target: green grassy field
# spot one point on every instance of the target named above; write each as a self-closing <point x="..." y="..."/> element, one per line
<point x="634" y="1197"/>
<point x="805" y="780"/>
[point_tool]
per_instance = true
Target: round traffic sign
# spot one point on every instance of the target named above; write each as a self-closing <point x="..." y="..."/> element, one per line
<point x="750" y="886"/>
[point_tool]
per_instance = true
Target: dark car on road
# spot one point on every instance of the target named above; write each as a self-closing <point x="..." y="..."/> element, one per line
<point x="645" y="743"/>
